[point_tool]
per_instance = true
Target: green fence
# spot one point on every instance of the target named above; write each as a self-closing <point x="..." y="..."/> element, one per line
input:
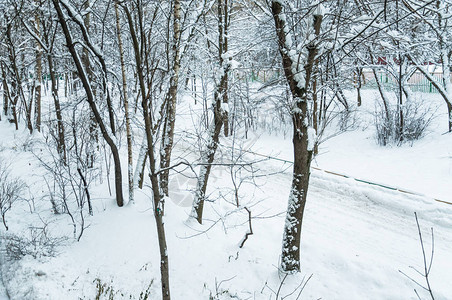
<point x="417" y="82"/>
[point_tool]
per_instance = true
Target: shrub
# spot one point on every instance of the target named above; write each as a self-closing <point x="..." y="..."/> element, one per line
<point x="38" y="243"/>
<point x="11" y="189"/>
<point x="389" y="129"/>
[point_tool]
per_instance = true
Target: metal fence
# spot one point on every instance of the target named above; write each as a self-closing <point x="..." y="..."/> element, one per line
<point x="417" y="82"/>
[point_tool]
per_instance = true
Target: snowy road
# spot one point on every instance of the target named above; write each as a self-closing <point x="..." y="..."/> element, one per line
<point x="374" y="236"/>
<point x="358" y="238"/>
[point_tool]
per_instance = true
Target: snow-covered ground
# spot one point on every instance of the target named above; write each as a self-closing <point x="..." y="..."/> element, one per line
<point x="3" y="294"/>
<point x="424" y="167"/>
<point x="357" y="238"/>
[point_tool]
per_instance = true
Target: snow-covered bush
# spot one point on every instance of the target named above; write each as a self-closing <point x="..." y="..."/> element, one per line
<point x="389" y="128"/>
<point x="37" y="243"/>
<point x="11" y="189"/>
<point x="108" y="291"/>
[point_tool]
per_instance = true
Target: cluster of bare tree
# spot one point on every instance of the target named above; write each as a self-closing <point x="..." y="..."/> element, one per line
<point x="118" y="67"/>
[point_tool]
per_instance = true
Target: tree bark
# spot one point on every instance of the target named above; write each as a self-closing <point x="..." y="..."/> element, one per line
<point x="61" y="144"/>
<point x="224" y="36"/>
<point x="208" y="157"/>
<point x="126" y="106"/>
<point x="218" y="119"/>
<point x="157" y="197"/>
<point x="38" y="79"/>
<point x="169" y="123"/>
<point x="359" y="73"/>
<point x="290" y="258"/>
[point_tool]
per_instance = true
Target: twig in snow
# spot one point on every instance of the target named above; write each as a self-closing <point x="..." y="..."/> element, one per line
<point x="250" y="232"/>
<point x="427" y="267"/>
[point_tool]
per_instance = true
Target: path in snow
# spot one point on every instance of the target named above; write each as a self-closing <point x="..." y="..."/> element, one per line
<point x="356" y="238"/>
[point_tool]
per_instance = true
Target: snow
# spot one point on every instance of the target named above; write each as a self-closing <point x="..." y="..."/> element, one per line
<point x="312" y="136"/>
<point x="355" y="238"/>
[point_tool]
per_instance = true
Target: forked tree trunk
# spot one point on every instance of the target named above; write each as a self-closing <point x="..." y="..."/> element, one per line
<point x="17" y="88"/>
<point x="208" y="157"/>
<point x="91" y="101"/>
<point x="218" y="121"/>
<point x="170" y="119"/>
<point x="157" y="197"/>
<point x="290" y="259"/>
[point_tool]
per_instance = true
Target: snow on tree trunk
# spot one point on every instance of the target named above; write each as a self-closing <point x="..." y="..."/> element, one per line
<point x="219" y="115"/>
<point x="170" y="120"/>
<point x="158" y="199"/>
<point x="208" y="156"/>
<point x="298" y="77"/>
<point x="38" y="75"/>
<point x="126" y="106"/>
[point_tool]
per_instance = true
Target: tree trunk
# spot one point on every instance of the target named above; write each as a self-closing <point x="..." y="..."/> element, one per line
<point x="290" y="259"/>
<point x="219" y="117"/>
<point x="449" y="111"/>
<point x="169" y="123"/>
<point x="224" y="37"/>
<point x="359" y="72"/>
<point x="18" y="90"/>
<point x="126" y="106"/>
<point x="445" y="61"/>
<point x="61" y="144"/>
<point x="444" y="88"/>
<point x="6" y="94"/>
<point x="93" y="139"/>
<point x="157" y="197"/>
<point x="38" y="79"/>
<point x="400" y="103"/>
<point x="91" y="100"/>
<point x="207" y="159"/>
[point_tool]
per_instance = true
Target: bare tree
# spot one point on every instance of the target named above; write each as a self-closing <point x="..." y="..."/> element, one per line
<point x="220" y="96"/>
<point x="107" y="134"/>
<point x="38" y="72"/>
<point x="126" y="105"/>
<point x="139" y="43"/>
<point x="434" y="14"/>
<point x="170" y="110"/>
<point x="298" y="74"/>
<point x="10" y="191"/>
